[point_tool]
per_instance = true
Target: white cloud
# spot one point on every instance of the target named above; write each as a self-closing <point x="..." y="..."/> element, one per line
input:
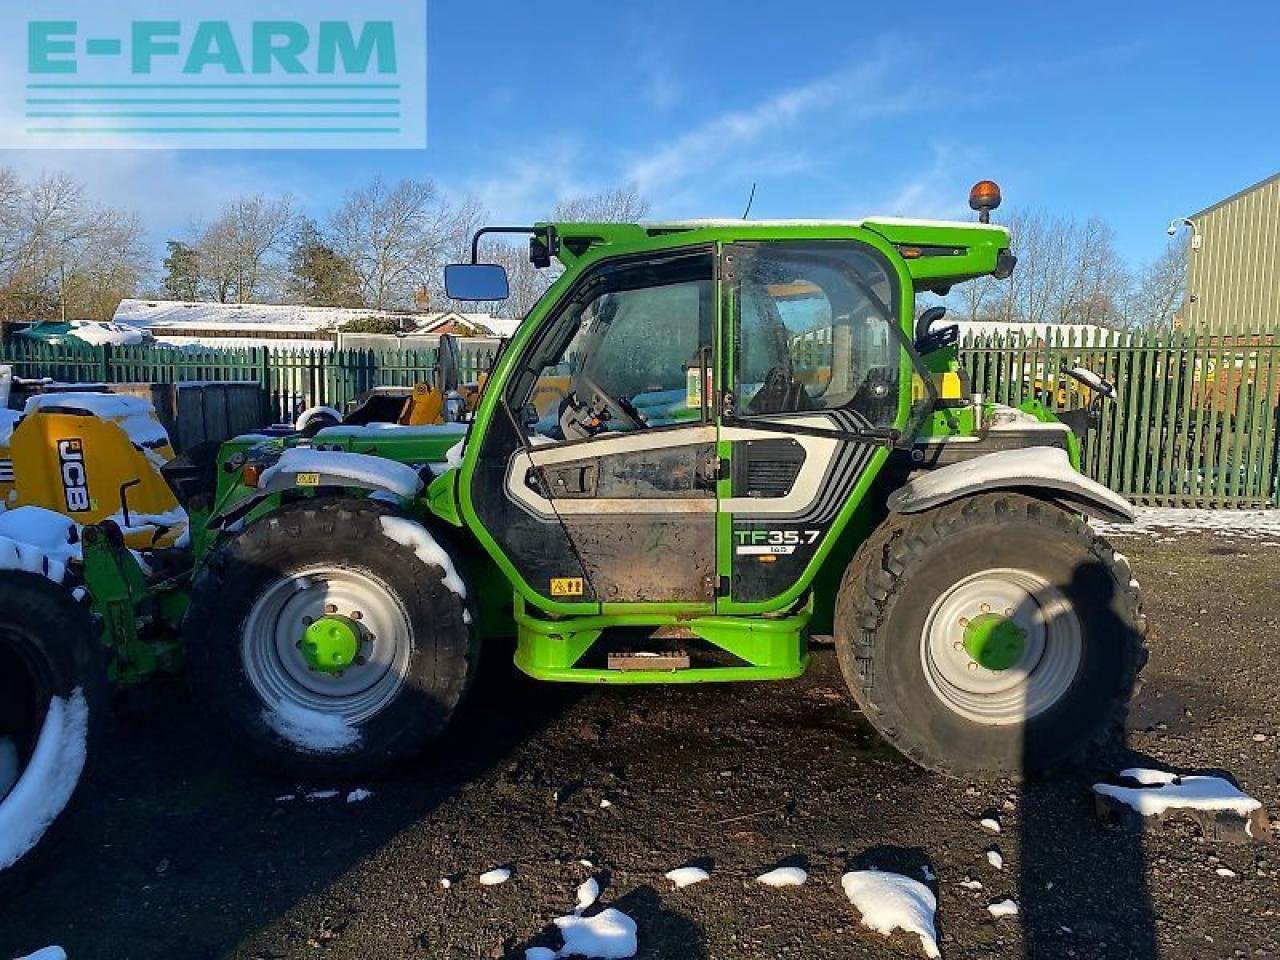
<point x="852" y="94"/>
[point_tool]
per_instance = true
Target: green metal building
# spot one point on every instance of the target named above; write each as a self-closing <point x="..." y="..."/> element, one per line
<point x="1233" y="263"/>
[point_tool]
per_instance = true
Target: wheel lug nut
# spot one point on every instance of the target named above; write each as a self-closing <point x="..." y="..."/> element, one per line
<point x="330" y="608"/>
<point x="964" y="621"/>
<point x="356" y="615"/>
<point x="360" y="661"/>
<point x="308" y="621"/>
<point x="985" y="608"/>
<point x="973" y="665"/>
<point x="958" y="645"/>
<point x="1008" y="611"/>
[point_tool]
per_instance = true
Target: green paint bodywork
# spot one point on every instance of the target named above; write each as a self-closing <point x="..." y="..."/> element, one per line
<point x="766" y="639"/>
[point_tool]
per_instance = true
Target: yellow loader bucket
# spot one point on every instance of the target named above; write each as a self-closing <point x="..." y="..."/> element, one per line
<point x="96" y="457"/>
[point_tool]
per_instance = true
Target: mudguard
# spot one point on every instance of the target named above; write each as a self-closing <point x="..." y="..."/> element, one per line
<point x="303" y="467"/>
<point x="1045" y="472"/>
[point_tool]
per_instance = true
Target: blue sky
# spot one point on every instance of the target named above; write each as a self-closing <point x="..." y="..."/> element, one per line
<point x="1136" y="111"/>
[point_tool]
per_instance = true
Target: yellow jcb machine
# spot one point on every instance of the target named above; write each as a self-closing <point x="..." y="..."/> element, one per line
<point x="92" y="457"/>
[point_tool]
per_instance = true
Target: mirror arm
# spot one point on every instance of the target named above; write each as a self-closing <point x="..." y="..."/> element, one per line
<point x="475" y="240"/>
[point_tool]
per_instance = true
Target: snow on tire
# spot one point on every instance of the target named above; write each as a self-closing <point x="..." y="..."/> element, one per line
<point x="52" y="709"/>
<point x="991" y="636"/>
<point x="331" y="638"/>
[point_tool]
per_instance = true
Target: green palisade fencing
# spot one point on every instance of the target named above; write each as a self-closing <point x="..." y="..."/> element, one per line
<point x="291" y="380"/>
<point x="1195" y="422"/>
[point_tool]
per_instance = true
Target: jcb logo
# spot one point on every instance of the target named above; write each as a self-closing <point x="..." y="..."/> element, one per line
<point x="75" y="481"/>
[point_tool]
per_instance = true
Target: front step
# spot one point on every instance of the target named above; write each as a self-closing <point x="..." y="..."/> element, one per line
<point x="773" y="648"/>
<point x="631" y="660"/>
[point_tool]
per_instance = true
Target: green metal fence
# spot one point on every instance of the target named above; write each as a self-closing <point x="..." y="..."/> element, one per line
<point x="291" y="380"/>
<point x="1196" y="419"/>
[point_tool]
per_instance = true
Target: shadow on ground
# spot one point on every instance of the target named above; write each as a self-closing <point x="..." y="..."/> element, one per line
<point x="192" y="851"/>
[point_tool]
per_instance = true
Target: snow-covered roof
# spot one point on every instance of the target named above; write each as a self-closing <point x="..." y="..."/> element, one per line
<point x="500" y="326"/>
<point x="177" y="315"/>
<point x="170" y="318"/>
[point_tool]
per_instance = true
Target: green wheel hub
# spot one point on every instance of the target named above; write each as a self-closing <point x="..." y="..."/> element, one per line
<point x="994" y="641"/>
<point x="331" y="643"/>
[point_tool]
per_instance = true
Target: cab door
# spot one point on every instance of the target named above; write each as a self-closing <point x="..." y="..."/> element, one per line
<point x="599" y="483"/>
<point x="818" y="386"/>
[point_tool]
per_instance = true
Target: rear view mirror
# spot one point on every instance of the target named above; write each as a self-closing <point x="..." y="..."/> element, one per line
<point x="476" y="281"/>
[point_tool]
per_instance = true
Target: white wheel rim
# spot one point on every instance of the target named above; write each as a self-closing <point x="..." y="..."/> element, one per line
<point x="276" y="667"/>
<point x="1042" y="675"/>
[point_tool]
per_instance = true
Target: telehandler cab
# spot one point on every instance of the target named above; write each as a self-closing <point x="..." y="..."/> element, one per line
<point x="706" y="442"/>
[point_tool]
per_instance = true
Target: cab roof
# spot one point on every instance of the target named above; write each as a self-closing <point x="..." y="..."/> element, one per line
<point x="937" y="253"/>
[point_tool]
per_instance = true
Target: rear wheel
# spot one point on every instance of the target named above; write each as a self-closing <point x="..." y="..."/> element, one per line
<point x="993" y="636"/>
<point x="326" y="643"/>
<point x="52" y="708"/>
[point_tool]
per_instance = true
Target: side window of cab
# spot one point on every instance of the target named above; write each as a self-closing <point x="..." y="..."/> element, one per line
<point x="816" y="325"/>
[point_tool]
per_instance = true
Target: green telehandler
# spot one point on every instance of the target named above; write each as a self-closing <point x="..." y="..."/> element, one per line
<point x="708" y="441"/>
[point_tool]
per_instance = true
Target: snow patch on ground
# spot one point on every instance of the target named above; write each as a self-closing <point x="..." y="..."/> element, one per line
<point x="994" y="858"/>
<point x="783" y="877"/>
<point x="418" y="538"/>
<point x="686" y="876"/>
<point x="359" y="795"/>
<point x="971" y="884"/>
<point x="890" y="901"/>
<point x="311" y="730"/>
<point x="990" y="824"/>
<point x="48" y="953"/>
<point x="399" y="478"/>
<point x="1003" y="908"/>
<point x="1260" y="525"/>
<point x="588" y="893"/>
<point x="609" y="935"/>
<point x="491" y="878"/>
<point x="1160" y="791"/>
<point x="539" y="953"/>
<point x="46" y="785"/>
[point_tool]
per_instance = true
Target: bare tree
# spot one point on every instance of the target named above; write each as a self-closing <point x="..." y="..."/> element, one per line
<point x="527" y="283"/>
<point x="103" y="266"/>
<point x="241" y="251"/>
<point x="1068" y="273"/>
<point x="1159" y="289"/>
<point x="62" y="257"/>
<point x="621" y="204"/>
<point x="395" y="237"/>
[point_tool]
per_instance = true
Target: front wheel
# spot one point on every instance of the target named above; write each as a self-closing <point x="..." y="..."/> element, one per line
<point x="331" y="638"/>
<point x="994" y="636"/>
<point x="52" y="710"/>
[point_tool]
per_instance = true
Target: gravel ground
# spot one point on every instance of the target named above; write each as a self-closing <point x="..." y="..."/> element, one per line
<point x="182" y="852"/>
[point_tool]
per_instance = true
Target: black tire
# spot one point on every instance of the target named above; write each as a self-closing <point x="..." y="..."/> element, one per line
<point x="891" y="586"/>
<point x="349" y="534"/>
<point x="49" y="650"/>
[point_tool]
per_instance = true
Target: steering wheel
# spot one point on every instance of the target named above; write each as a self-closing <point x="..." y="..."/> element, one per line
<point x="619" y="411"/>
<point x="629" y="410"/>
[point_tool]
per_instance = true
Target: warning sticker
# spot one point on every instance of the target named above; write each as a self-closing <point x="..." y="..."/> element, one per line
<point x="566" y="586"/>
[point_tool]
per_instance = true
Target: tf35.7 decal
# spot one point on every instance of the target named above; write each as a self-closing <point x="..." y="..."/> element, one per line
<point x="762" y="542"/>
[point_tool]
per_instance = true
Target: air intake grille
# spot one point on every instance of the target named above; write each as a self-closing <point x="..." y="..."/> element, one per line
<point x="767" y="468"/>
